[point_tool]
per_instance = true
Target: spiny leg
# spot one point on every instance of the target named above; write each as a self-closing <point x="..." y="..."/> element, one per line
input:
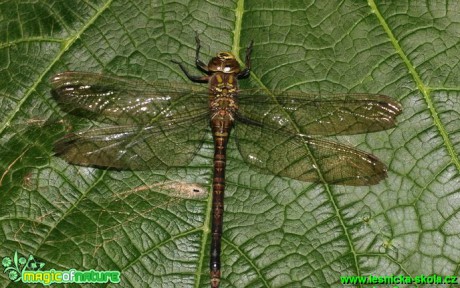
<point x="245" y="73"/>
<point x="200" y="64"/>
<point x="203" y="78"/>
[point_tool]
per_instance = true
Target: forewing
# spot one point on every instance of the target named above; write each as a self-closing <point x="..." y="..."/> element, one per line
<point x="168" y="143"/>
<point x="307" y="159"/>
<point x="120" y="100"/>
<point x="320" y="114"/>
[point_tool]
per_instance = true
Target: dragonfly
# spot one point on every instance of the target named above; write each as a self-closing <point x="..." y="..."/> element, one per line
<point x="160" y="125"/>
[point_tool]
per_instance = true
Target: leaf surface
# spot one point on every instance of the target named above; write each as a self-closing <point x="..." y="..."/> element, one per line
<point x="153" y="226"/>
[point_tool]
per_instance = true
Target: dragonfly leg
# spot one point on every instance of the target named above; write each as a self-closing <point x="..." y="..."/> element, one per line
<point x="193" y="78"/>
<point x="200" y="64"/>
<point x="245" y="72"/>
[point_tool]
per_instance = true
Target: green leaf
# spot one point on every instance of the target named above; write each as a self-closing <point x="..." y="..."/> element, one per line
<point x="151" y="225"/>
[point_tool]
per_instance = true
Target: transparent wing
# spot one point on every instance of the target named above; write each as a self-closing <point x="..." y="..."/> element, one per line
<point x="120" y="100"/>
<point x="305" y="158"/>
<point x="319" y="114"/>
<point x="168" y="143"/>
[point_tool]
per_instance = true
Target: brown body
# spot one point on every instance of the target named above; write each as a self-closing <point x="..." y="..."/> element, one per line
<point x="223" y="105"/>
<point x="223" y="74"/>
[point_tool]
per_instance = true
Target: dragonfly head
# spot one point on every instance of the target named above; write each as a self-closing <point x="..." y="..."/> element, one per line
<point x="224" y="62"/>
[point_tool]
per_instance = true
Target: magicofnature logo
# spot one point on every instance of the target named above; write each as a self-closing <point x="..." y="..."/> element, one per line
<point x="29" y="270"/>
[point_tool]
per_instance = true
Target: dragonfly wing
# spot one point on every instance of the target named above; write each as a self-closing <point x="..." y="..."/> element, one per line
<point x="120" y="100"/>
<point x="320" y="114"/>
<point x="165" y="144"/>
<point x="307" y="159"/>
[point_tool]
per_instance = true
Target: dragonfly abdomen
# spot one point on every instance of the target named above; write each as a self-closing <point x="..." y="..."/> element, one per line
<point x="221" y="126"/>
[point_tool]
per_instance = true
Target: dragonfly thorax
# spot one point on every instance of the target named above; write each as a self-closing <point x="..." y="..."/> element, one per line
<point x="224" y="62"/>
